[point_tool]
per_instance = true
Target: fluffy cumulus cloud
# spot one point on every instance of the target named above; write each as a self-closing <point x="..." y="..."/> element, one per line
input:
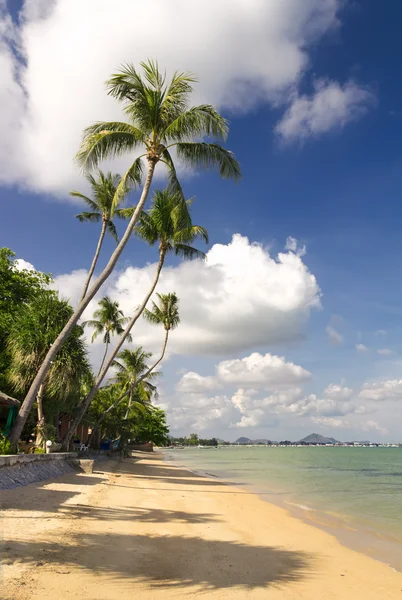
<point x="383" y="390"/>
<point x="331" y="105"/>
<point x="54" y="62"/>
<point x="240" y="297"/>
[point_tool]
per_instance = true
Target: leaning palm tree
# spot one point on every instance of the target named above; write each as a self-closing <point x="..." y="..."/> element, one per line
<point x="34" y="329"/>
<point x="166" y="314"/>
<point x="102" y="208"/>
<point x="109" y="320"/>
<point x="160" y="118"/>
<point x="168" y="223"/>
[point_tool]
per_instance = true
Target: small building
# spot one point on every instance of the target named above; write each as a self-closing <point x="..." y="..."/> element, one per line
<point x="9" y="408"/>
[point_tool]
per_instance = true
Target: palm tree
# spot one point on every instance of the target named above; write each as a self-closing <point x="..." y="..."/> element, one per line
<point x="34" y="329"/>
<point x="168" y="221"/>
<point x="159" y="119"/>
<point x="109" y="320"/>
<point x="131" y="366"/>
<point x="102" y="208"/>
<point x="166" y="314"/>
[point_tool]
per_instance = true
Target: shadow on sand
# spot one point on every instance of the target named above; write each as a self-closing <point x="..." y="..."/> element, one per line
<point x="169" y="561"/>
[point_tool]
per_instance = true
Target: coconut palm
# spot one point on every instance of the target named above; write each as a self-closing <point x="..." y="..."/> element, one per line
<point x="132" y="364"/>
<point x="102" y="208"/>
<point x="109" y="320"/>
<point x="160" y="119"/>
<point x="34" y="329"/>
<point x="168" y="223"/>
<point x="166" y="314"/>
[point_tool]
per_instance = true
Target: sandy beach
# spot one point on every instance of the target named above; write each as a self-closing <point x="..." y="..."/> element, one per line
<point x="144" y="528"/>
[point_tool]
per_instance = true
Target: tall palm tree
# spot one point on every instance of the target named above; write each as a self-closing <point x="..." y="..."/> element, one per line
<point x="132" y="364"/>
<point x="159" y="118"/>
<point x="166" y="314"/>
<point x="109" y="320"/>
<point x="102" y="208"/>
<point x="34" y="329"/>
<point x="167" y="222"/>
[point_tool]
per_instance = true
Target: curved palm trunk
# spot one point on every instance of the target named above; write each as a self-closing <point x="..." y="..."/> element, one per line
<point x="104" y="356"/>
<point x="95" y="259"/>
<point x="109" y="362"/>
<point x="40" y="432"/>
<point x="63" y="335"/>
<point x="131" y="388"/>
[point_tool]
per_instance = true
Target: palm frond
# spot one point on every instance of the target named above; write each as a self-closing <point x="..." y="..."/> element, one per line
<point x="188" y="252"/>
<point x="197" y="122"/>
<point x="91" y="203"/>
<point x="92" y="217"/>
<point x="174" y="183"/>
<point x="191" y="233"/>
<point x="113" y="231"/>
<point x="128" y="87"/>
<point x="176" y="96"/>
<point x="201" y="154"/>
<point x="132" y="177"/>
<point x="107" y="140"/>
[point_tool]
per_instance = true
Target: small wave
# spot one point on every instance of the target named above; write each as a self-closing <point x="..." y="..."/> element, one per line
<point x="302" y="506"/>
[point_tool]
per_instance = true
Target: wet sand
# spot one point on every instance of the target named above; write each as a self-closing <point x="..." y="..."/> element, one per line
<point x="147" y="529"/>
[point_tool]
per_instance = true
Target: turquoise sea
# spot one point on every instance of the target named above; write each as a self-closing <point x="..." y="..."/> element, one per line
<point x="355" y="493"/>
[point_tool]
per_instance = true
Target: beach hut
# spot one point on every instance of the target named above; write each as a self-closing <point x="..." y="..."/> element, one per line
<point x="9" y="407"/>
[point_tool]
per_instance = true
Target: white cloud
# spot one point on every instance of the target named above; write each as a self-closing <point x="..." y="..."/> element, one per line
<point x="374" y="426"/>
<point x="384" y="352"/>
<point x="330" y="106"/>
<point x="380" y="332"/>
<point x="337" y="392"/>
<point x="331" y="422"/>
<point x="194" y="383"/>
<point x="334" y="336"/>
<point x="265" y="371"/>
<point x="257" y="51"/>
<point x="383" y="390"/>
<point x="239" y="298"/>
<point x="361" y="348"/>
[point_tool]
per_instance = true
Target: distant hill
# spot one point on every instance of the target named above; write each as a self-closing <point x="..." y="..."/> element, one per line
<point x="243" y="440"/>
<point x="316" y="438"/>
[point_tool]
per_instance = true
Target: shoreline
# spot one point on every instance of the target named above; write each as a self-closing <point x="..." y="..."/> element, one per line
<point x="380" y="548"/>
<point x="149" y="529"/>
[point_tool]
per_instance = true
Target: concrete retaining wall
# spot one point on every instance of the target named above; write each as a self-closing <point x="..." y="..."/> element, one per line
<point x="21" y="469"/>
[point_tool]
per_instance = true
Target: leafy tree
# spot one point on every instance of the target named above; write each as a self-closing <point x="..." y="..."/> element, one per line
<point x="102" y="208"/>
<point x="152" y="427"/>
<point x="130" y="367"/>
<point x="159" y="119"/>
<point x="168" y="223"/>
<point x="17" y="288"/>
<point x="34" y="329"/>
<point x="109" y="320"/>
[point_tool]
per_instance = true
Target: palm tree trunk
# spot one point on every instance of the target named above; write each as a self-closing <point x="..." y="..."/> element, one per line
<point x="95" y="259"/>
<point x="85" y="405"/>
<point x="131" y="388"/>
<point x="26" y="407"/>
<point x="104" y="356"/>
<point x="130" y="401"/>
<point x="40" y="431"/>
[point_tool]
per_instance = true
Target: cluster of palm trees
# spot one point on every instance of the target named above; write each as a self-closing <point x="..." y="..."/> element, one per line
<point x="159" y="121"/>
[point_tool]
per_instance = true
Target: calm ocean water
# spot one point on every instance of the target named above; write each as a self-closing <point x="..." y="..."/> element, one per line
<point x="357" y="491"/>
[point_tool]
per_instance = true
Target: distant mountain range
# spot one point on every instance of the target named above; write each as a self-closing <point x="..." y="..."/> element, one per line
<point x="316" y="438"/>
<point x="313" y="438"/>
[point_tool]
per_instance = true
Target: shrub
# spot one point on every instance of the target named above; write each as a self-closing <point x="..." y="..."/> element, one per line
<point x="5" y="445"/>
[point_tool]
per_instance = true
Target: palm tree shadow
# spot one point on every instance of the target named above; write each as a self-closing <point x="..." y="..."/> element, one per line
<point x="168" y="562"/>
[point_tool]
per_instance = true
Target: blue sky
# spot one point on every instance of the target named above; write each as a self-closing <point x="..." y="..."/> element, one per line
<point x="336" y="189"/>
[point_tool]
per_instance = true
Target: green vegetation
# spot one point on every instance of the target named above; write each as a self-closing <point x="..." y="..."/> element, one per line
<point x="193" y="440"/>
<point x="44" y="362"/>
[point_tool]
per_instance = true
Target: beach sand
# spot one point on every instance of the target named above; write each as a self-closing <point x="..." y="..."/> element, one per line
<point x="146" y="529"/>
